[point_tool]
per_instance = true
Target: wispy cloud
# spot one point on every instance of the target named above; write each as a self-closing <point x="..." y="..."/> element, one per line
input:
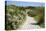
<point x="21" y="3"/>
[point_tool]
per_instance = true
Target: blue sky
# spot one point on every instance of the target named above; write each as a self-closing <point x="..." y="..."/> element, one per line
<point x="21" y="3"/>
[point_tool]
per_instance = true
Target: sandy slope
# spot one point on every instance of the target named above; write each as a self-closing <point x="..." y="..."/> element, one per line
<point x="28" y="24"/>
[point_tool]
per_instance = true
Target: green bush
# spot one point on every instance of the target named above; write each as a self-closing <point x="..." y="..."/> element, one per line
<point x="14" y="17"/>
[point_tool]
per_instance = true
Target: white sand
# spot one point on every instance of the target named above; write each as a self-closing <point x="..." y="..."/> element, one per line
<point x="27" y="25"/>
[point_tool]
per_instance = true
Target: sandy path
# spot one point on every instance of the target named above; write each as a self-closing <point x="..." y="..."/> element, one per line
<point x="28" y="24"/>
